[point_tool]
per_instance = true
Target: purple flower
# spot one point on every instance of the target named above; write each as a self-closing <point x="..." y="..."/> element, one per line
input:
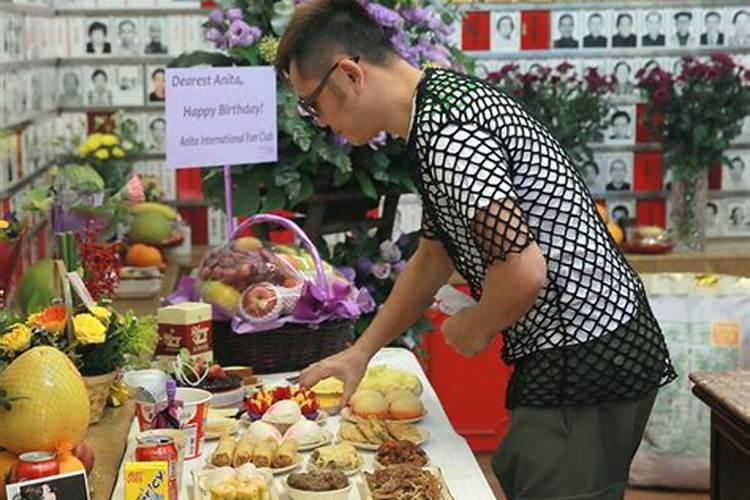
<point x="348" y="272"/>
<point x="389" y="251"/>
<point x="385" y="17"/>
<point x="364" y="265"/>
<point x="241" y="34"/>
<point x="340" y="140"/>
<point x="216" y="37"/>
<point x="381" y="270"/>
<point x="404" y="241"/>
<point x="216" y="17"/>
<point x="398" y="267"/>
<point x="234" y="15"/>
<point x="378" y="141"/>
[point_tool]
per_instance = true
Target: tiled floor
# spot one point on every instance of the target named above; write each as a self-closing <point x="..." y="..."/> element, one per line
<point x="631" y="494"/>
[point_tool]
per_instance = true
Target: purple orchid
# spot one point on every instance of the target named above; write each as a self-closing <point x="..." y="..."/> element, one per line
<point x="349" y="273"/>
<point x="398" y="267"/>
<point x="241" y="34"/>
<point x="381" y="270"/>
<point x="216" y="17"/>
<point x="378" y="141"/>
<point x="340" y="140"/>
<point x="234" y="15"/>
<point x="364" y="265"/>
<point x="216" y="37"/>
<point x="385" y="17"/>
<point x="389" y="251"/>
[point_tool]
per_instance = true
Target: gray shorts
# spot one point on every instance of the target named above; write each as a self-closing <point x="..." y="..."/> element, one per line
<point x="571" y="453"/>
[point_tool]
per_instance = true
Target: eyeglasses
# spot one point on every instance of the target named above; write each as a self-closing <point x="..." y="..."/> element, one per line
<point x="306" y="105"/>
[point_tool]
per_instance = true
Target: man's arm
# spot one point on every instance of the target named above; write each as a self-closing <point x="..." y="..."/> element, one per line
<point x="427" y="270"/>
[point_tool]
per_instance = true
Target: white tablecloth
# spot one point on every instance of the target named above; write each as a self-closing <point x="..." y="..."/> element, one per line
<point x="446" y="448"/>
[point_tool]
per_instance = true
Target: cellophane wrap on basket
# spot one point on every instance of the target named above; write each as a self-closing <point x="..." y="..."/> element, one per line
<point x="260" y="286"/>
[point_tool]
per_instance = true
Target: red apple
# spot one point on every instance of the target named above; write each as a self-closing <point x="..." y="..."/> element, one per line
<point x="262" y="301"/>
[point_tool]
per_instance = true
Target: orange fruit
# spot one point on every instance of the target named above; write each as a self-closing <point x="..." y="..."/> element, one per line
<point x="616" y="232"/>
<point x="602" y="209"/>
<point x="140" y="255"/>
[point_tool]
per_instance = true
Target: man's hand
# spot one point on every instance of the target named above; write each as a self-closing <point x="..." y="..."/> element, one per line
<point x="349" y="366"/>
<point x="464" y="333"/>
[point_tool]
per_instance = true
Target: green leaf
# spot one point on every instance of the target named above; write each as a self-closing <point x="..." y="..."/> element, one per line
<point x="275" y="198"/>
<point x="368" y="188"/>
<point x="201" y="58"/>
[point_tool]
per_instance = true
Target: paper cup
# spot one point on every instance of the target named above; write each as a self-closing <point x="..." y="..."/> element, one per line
<point x="193" y="415"/>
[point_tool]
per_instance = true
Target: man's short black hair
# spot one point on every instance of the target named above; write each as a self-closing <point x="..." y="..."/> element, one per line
<point x="156" y="72"/>
<point x="622" y="16"/>
<point x="712" y="13"/>
<point x="618" y="114"/>
<point x="559" y="21"/>
<point x="321" y="27"/>
<point x="713" y="207"/>
<point x="98" y="25"/>
<point x="155" y="121"/>
<point x="595" y="14"/>
<point x="683" y="13"/>
<point x="99" y="72"/>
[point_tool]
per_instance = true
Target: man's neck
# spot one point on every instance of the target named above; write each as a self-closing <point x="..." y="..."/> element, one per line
<point x="400" y="86"/>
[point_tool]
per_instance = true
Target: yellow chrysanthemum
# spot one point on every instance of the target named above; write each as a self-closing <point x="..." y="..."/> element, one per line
<point x="102" y="154"/>
<point x="117" y="152"/>
<point x="51" y="319"/>
<point x="17" y="339"/>
<point x="102" y="313"/>
<point x="94" y="142"/>
<point x="84" y="149"/>
<point x="110" y="140"/>
<point x="267" y="48"/>
<point x="88" y="329"/>
<point x="4" y="224"/>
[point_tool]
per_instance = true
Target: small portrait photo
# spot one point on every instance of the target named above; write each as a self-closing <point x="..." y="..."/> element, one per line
<point x="595" y="35"/>
<point x="127" y="36"/>
<point x="505" y="31"/>
<point x="592" y="174"/>
<point x="565" y="30"/>
<point x="652" y="22"/>
<point x="740" y="28"/>
<point x="624" y="30"/>
<point x="99" y="87"/>
<point x="156" y="85"/>
<point x="73" y="486"/>
<point x="734" y="175"/>
<point x="621" y="211"/>
<point x="621" y="125"/>
<point x="623" y="73"/>
<point x="97" y="31"/>
<point x="619" y="172"/>
<point x="156" y="35"/>
<point x="71" y="91"/>
<point x="737" y="217"/>
<point x="683" y="29"/>
<point x="713" y="29"/>
<point x="128" y="88"/>
<point x="132" y="126"/>
<point x="714" y="218"/>
<point x="156" y="132"/>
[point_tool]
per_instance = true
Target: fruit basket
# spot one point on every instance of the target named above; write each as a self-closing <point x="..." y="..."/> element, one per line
<point x="275" y="308"/>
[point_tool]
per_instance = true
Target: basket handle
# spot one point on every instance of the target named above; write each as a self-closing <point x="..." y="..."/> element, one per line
<point x="321" y="280"/>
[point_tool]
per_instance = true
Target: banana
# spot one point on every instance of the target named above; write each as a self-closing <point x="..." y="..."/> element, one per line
<point x="152" y="207"/>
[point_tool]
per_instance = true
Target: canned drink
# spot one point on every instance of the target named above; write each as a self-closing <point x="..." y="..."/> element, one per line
<point x="35" y="465"/>
<point x="160" y="449"/>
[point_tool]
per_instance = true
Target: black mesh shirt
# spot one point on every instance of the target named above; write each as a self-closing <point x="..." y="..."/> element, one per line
<point x="492" y="180"/>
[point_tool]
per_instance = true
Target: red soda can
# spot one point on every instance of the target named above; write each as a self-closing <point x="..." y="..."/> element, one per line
<point x="160" y="449"/>
<point x="35" y="465"/>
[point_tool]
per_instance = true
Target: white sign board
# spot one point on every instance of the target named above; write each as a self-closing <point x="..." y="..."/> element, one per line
<point x="221" y="116"/>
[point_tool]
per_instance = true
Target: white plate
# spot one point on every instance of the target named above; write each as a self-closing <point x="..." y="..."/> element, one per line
<point x="320" y="419"/>
<point x="374" y="447"/>
<point x="434" y="470"/>
<point x="348" y="472"/>
<point x="349" y="415"/>
<point x="327" y="438"/>
<point x="232" y="428"/>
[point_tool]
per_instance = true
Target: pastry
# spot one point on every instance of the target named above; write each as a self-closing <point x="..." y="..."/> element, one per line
<point x="405" y="406"/>
<point x="224" y="451"/>
<point x="285" y="455"/>
<point x="305" y="432"/>
<point x="264" y="452"/>
<point x="342" y="456"/>
<point x="261" y="430"/>
<point x="371" y="404"/>
<point x="243" y="454"/>
<point x="406" y="432"/>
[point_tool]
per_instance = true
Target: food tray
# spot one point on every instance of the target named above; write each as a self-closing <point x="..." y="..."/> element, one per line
<point x="447" y="495"/>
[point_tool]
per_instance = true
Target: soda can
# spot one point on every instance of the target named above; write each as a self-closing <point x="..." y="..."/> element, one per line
<point x="35" y="465"/>
<point x="160" y="449"/>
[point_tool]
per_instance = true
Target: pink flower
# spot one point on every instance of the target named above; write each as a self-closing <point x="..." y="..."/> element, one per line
<point x="134" y="190"/>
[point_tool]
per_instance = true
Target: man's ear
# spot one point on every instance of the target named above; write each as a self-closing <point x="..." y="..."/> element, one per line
<point x="354" y="72"/>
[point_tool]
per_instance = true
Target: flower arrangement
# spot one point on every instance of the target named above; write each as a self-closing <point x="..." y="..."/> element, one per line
<point x="312" y="159"/>
<point x="10" y="227"/>
<point x="573" y="108"/>
<point x="99" y="341"/>
<point x="375" y="266"/>
<point x="695" y="115"/>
